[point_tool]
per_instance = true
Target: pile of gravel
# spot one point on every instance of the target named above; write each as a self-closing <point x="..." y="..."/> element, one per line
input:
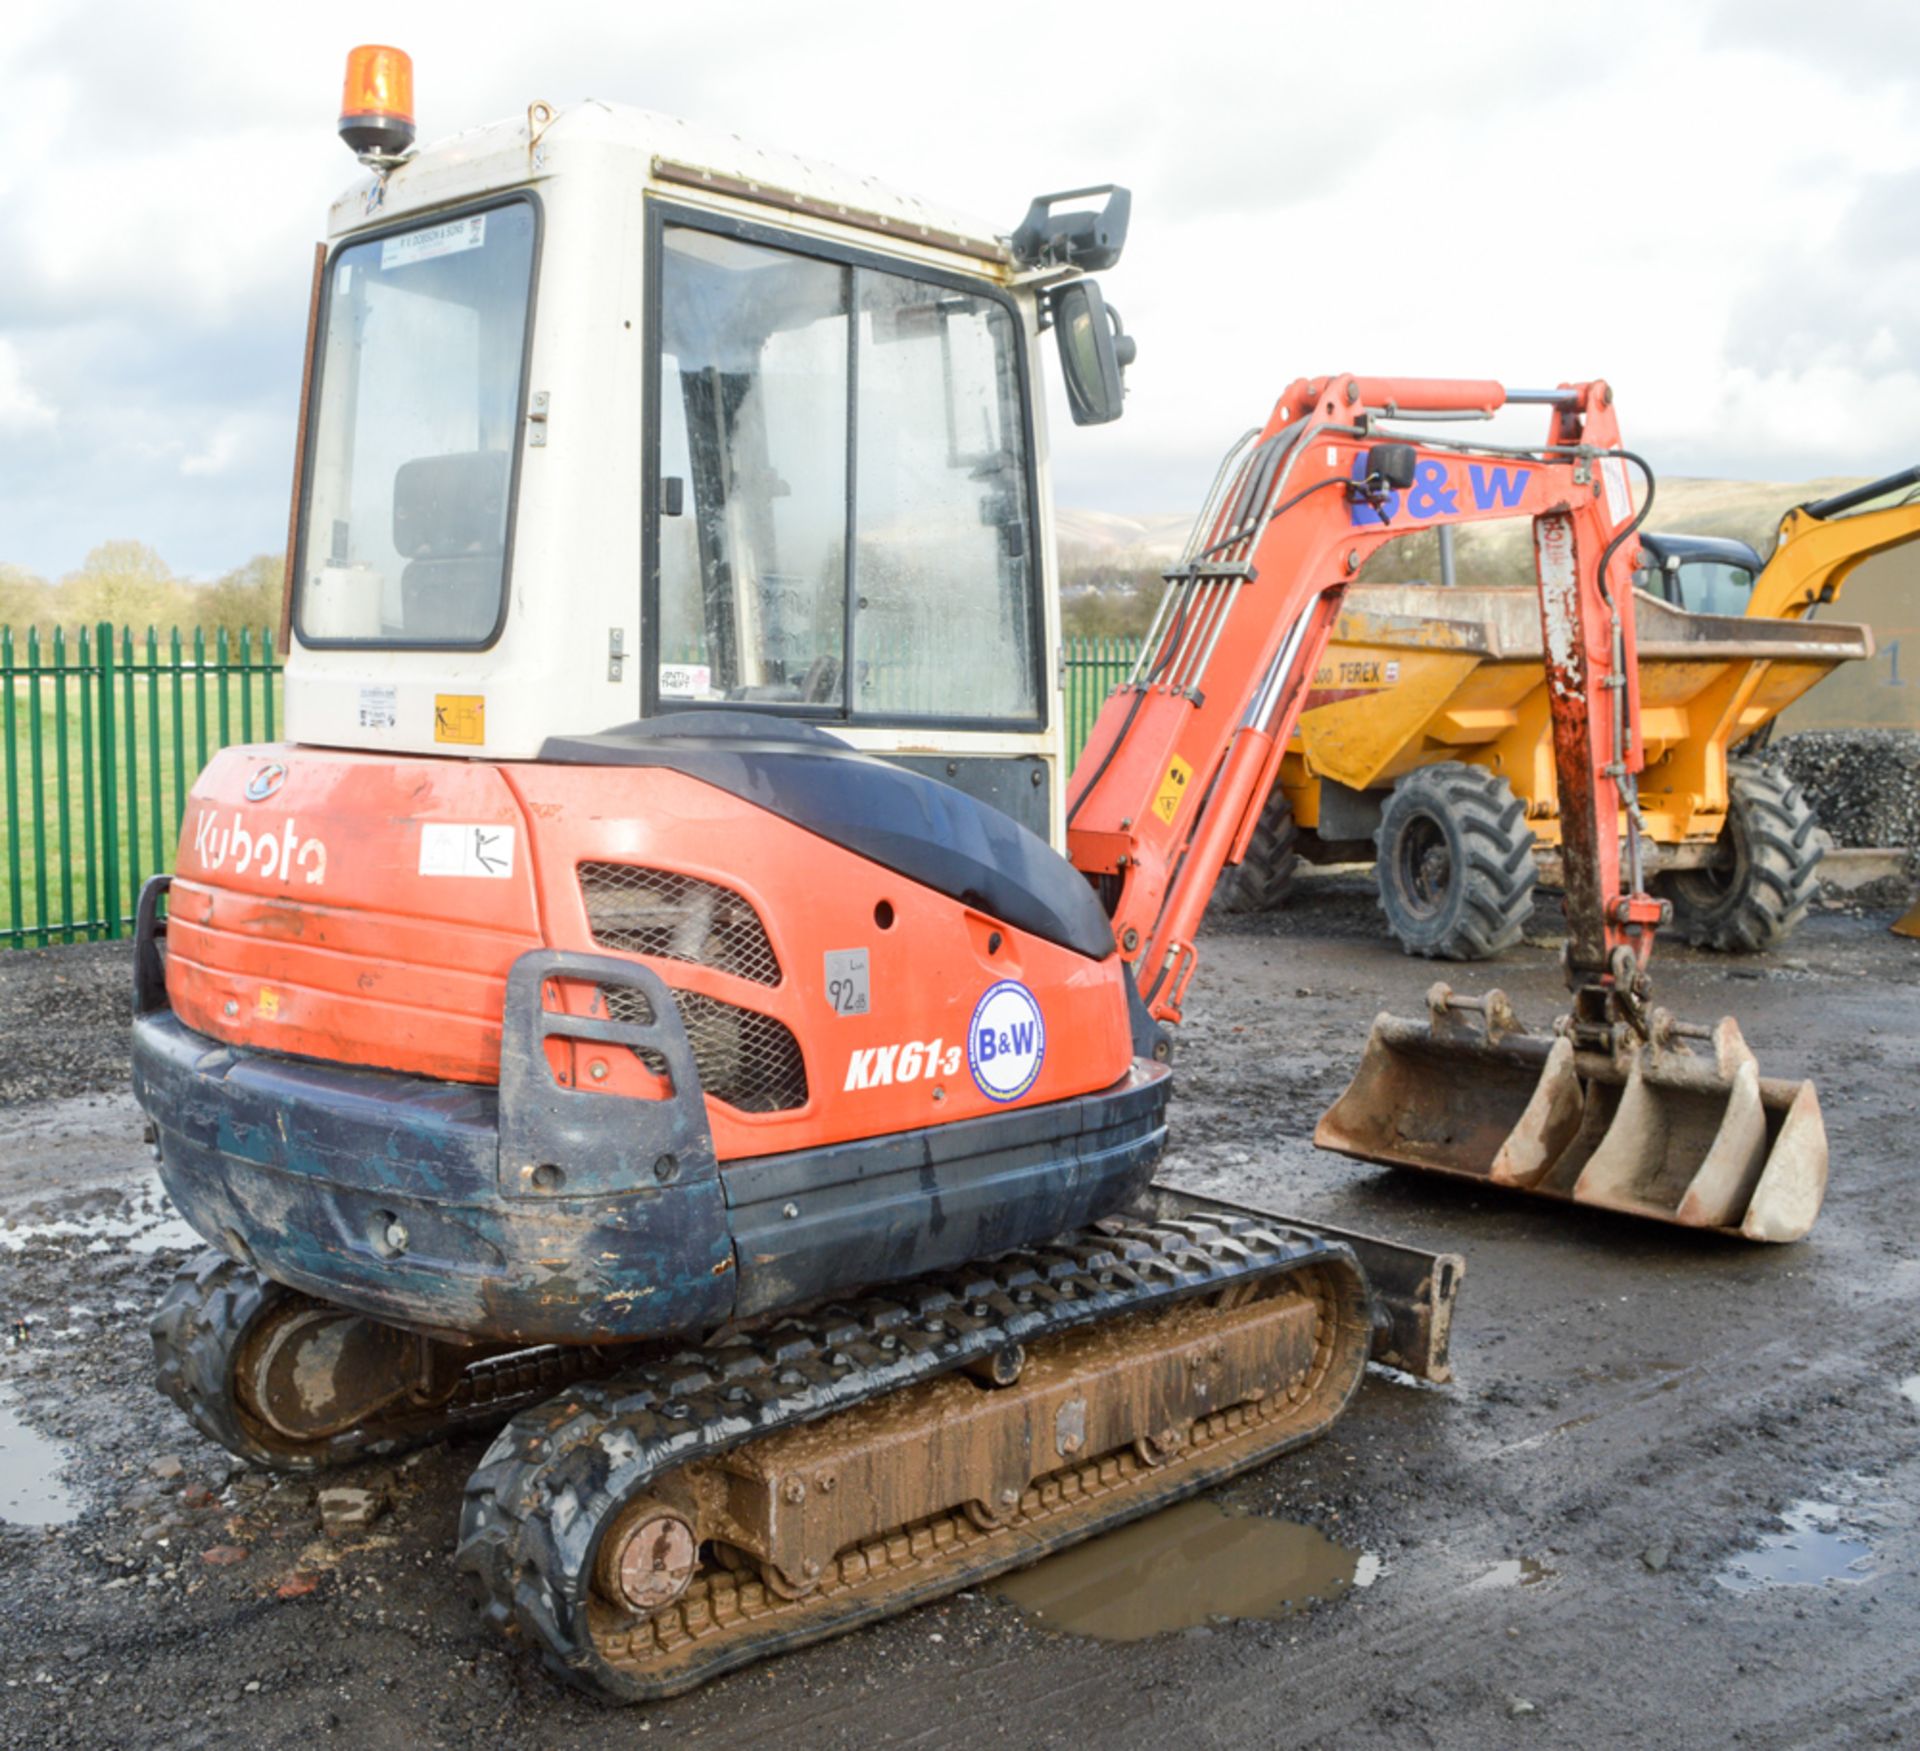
<point x="1863" y="784"/>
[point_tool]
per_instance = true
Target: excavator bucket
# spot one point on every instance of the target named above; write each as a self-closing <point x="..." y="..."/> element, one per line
<point x="1656" y="1128"/>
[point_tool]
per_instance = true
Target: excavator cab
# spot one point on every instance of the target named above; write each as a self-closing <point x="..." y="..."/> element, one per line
<point x="1705" y="574"/>
<point x="773" y="442"/>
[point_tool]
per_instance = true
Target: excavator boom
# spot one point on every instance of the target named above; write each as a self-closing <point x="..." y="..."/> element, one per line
<point x="1614" y="1107"/>
<point x="1184" y="754"/>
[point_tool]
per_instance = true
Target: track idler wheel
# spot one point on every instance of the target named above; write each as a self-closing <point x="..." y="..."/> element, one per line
<point x="285" y="1381"/>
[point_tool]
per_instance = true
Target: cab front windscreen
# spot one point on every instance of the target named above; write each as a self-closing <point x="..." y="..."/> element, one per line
<point x="404" y="535"/>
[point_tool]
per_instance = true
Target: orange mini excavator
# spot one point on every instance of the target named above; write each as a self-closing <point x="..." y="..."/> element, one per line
<point x="748" y="1101"/>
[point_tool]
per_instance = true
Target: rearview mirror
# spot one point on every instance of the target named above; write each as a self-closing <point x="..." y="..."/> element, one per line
<point x="1094" y="351"/>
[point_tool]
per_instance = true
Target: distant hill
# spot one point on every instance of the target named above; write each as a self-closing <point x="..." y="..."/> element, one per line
<point x="1110" y="563"/>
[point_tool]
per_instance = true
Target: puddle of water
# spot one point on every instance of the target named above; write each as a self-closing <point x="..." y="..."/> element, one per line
<point x="1910" y="1389"/>
<point x="1521" y="1571"/>
<point x="30" y="1492"/>
<point x="1187" y="1565"/>
<point x="145" y="1223"/>
<point x="1818" y="1549"/>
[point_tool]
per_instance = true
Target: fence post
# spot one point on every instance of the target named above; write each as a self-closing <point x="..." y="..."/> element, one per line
<point x="200" y="695"/>
<point x="156" y="781"/>
<point x="89" y="816"/>
<point x="109" y="913"/>
<point x="63" y="781"/>
<point x="179" y="736"/>
<point x="12" y="763"/>
<point x="266" y="669"/>
<point x="220" y="652"/>
<point x="130" y="730"/>
<point x="38" y="774"/>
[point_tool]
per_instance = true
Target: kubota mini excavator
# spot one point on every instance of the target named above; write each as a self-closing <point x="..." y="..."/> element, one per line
<point x="765" y="1116"/>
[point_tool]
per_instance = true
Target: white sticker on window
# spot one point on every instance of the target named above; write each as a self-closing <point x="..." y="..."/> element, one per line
<point x="435" y="240"/>
<point x="466" y="848"/>
<point x="379" y="708"/>
<point x="1613" y="475"/>
<point x="685" y="680"/>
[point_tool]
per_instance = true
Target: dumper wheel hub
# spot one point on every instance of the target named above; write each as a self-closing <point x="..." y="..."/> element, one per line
<point x="1427" y="864"/>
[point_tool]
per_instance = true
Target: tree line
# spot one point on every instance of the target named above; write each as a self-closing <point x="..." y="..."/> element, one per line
<point x="128" y="584"/>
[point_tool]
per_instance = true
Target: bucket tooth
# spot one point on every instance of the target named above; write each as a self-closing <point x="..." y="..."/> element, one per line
<point x="1683" y="1150"/>
<point x="1793" y="1184"/>
<point x="1699" y="1139"/>
<point x="1551" y="1122"/>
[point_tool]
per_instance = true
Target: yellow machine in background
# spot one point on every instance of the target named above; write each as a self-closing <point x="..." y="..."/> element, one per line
<point x="1425" y="746"/>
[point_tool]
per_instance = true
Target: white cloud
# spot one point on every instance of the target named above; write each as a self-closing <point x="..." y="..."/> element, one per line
<point x="21" y="409"/>
<point x="1709" y="204"/>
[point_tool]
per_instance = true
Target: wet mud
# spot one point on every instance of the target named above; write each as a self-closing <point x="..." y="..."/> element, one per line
<point x="1672" y="1498"/>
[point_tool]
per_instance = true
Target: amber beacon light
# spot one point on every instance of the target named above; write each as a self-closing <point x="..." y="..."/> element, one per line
<point x="376" y="109"/>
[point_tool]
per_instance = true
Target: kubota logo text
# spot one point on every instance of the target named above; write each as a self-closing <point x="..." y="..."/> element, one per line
<point x="271" y="855"/>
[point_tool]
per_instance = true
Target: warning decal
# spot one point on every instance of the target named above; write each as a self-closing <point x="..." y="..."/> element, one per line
<point x="1166" y="804"/>
<point x="460" y="717"/>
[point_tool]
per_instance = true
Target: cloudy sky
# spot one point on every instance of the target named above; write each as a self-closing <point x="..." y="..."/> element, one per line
<point x="1715" y="205"/>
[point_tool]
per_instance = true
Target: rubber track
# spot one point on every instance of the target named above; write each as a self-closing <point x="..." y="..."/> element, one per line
<point x="1496" y="897"/>
<point x="1263" y="879"/>
<point x="558" y="1473"/>
<point x="203" y="1319"/>
<point x="1778" y="850"/>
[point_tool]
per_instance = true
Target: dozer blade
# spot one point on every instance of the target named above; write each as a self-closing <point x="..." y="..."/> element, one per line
<point x="1655" y="1129"/>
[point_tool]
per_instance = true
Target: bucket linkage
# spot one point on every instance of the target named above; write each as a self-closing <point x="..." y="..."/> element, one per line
<point x="1678" y="1125"/>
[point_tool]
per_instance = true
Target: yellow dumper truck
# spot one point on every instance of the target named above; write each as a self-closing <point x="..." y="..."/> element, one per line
<point x="1425" y="749"/>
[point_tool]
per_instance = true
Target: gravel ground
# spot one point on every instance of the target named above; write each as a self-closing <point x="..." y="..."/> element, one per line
<point x="1554" y="1534"/>
<point x="64" y="1015"/>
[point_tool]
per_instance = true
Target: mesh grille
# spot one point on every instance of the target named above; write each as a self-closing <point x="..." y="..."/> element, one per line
<point x="748" y="1060"/>
<point x="676" y="917"/>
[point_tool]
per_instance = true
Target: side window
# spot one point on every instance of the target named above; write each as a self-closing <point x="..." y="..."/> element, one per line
<point x="404" y="531"/>
<point x="801" y="398"/>
<point x="942" y="577"/>
<point x="753" y="424"/>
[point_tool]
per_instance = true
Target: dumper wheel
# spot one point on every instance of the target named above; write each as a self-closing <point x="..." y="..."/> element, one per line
<point x="1752" y="901"/>
<point x="1263" y="879"/>
<point x="1453" y="859"/>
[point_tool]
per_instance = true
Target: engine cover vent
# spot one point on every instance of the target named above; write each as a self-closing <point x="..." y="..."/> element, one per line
<point x="676" y="917"/>
<point x="748" y="1060"/>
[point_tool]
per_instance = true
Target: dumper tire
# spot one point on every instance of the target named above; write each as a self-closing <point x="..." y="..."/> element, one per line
<point x="1263" y="879"/>
<point x="1453" y="862"/>
<point x="1753" y="902"/>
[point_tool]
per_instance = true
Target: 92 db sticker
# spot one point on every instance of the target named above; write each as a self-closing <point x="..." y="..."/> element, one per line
<point x="848" y="989"/>
<point x="1006" y="1041"/>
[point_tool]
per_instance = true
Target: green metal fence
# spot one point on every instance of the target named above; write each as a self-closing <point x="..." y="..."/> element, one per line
<point x="1094" y="667"/>
<point x="101" y="735"/>
<point x="103" y="732"/>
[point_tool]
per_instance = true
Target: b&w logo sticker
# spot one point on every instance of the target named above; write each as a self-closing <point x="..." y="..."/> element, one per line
<point x="1006" y="1041"/>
